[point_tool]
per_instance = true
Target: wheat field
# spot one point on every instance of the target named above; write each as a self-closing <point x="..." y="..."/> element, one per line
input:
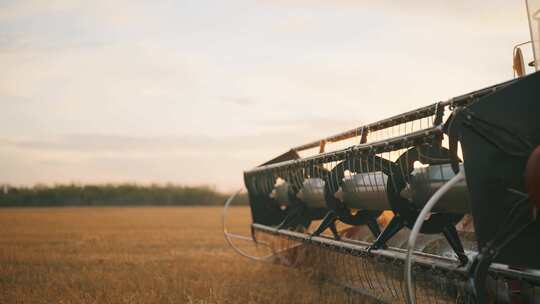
<point x="136" y="255"/>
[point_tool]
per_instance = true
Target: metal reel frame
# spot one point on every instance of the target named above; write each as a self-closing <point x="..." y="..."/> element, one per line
<point x="339" y="210"/>
<point x="406" y="212"/>
<point x="300" y="215"/>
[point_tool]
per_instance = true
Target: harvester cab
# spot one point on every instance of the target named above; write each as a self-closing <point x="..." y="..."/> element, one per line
<point x="452" y="188"/>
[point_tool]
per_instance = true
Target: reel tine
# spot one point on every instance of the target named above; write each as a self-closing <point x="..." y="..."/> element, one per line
<point x="332" y="177"/>
<point x="337" y="175"/>
<point x="374" y="174"/>
<point x="336" y="182"/>
<point x="408" y="169"/>
<point x="287" y="176"/>
<point x="250" y="183"/>
<point x="382" y="172"/>
<point x="295" y="178"/>
<point x="361" y="170"/>
<point x="270" y="181"/>
<point x="391" y="172"/>
<point x="281" y="176"/>
<point x="372" y="182"/>
<point x="256" y="184"/>
<point x="321" y="170"/>
<point x="377" y="173"/>
<point x="301" y="176"/>
<point x="272" y="178"/>
<point x="253" y="181"/>
<point x="260" y="183"/>
<point x="352" y="162"/>
<point x="298" y="179"/>
<point x="263" y="185"/>
<point x="401" y="165"/>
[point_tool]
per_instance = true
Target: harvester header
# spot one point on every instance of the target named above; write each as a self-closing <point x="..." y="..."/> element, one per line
<point x="438" y="204"/>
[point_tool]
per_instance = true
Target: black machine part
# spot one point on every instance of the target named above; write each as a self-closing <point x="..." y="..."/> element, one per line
<point x="498" y="133"/>
<point x="303" y="188"/>
<point x="499" y="136"/>
<point x="355" y="165"/>
<point x="532" y="177"/>
<point x="406" y="212"/>
<point x="340" y="211"/>
<point x="426" y="180"/>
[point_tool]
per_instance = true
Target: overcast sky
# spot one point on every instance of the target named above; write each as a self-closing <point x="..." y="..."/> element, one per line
<point x="195" y="92"/>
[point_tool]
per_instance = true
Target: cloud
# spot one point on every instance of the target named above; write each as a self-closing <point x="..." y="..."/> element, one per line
<point x="12" y="10"/>
<point x="498" y="15"/>
<point x="110" y="12"/>
<point x="448" y="7"/>
<point x="239" y="101"/>
<point x="115" y="158"/>
<point x="106" y="144"/>
<point x="62" y="25"/>
<point x="224" y="171"/>
<point x="195" y="90"/>
<point x="217" y="160"/>
<point x="5" y="99"/>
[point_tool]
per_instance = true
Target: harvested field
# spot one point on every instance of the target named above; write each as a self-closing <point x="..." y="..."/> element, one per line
<point x="136" y="255"/>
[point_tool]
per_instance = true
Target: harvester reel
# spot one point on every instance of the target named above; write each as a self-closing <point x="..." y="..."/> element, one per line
<point x="299" y="214"/>
<point x="402" y="207"/>
<point x="341" y="211"/>
<point x="296" y="215"/>
<point x="406" y="212"/>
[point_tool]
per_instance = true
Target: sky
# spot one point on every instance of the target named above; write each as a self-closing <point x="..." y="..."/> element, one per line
<point x="195" y="91"/>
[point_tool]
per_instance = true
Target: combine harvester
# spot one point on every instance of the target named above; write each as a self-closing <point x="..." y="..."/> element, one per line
<point x="436" y="205"/>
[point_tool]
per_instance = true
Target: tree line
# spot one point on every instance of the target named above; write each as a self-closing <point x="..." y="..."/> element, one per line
<point x="113" y="195"/>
